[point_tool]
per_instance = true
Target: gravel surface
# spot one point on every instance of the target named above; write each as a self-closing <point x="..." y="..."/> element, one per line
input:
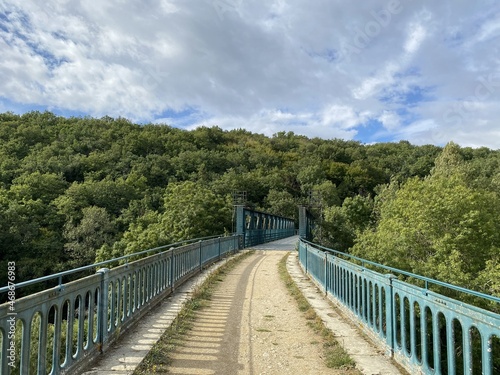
<point x="253" y="326"/>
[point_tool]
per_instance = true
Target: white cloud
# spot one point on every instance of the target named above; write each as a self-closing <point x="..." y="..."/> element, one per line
<point x="415" y="39"/>
<point x="489" y="30"/>
<point x="264" y="65"/>
<point x="335" y="121"/>
<point x="390" y="120"/>
<point x="343" y="117"/>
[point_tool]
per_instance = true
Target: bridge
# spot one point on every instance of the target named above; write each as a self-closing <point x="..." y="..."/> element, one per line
<point x="66" y="328"/>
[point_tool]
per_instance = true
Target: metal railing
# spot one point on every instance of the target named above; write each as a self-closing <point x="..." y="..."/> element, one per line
<point x="259" y="227"/>
<point x="62" y="329"/>
<point x="255" y="237"/>
<point x="426" y="332"/>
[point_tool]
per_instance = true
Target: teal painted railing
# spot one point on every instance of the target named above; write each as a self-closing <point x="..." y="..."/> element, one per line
<point x="62" y="329"/>
<point x="258" y="227"/>
<point x="424" y="331"/>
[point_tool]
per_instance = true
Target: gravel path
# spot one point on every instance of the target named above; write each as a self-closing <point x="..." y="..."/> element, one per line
<point x="253" y="326"/>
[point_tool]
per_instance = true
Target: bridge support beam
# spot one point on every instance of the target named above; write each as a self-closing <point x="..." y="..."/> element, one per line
<point x="305" y="223"/>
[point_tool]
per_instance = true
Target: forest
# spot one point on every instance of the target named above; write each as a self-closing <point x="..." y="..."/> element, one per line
<point x="78" y="190"/>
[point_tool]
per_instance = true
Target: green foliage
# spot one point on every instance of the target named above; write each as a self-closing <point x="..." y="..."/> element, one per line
<point x="95" y="229"/>
<point x="343" y="224"/>
<point x="441" y="227"/>
<point x="281" y="203"/>
<point x="192" y="210"/>
<point x="37" y="185"/>
<point x="77" y="189"/>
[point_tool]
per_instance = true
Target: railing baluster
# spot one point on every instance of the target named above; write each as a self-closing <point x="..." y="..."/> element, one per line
<point x="42" y="344"/>
<point x="487" y="353"/>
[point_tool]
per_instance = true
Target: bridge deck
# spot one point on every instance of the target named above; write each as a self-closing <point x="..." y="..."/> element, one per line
<point x="252" y="327"/>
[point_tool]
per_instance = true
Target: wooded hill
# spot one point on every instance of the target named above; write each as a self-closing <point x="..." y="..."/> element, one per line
<point x="76" y="190"/>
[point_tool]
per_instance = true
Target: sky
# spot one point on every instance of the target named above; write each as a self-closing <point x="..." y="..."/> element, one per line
<point x="373" y="71"/>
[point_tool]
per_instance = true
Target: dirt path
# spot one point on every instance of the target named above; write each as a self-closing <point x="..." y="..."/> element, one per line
<point x="253" y="326"/>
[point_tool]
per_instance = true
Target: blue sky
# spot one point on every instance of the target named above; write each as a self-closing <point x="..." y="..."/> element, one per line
<point x="374" y="71"/>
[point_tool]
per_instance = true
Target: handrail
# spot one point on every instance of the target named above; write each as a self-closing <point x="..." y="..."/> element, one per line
<point x="82" y="319"/>
<point x="427" y="280"/>
<point x="59" y="275"/>
<point x="424" y="330"/>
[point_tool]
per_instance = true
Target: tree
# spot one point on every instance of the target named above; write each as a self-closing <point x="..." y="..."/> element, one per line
<point x="437" y="227"/>
<point x="36" y="185"/>
<point x="341" y="225"/>
<point x="281" y="203"/>
<point x="95" y="229"/>
<point x="192" y="210"/>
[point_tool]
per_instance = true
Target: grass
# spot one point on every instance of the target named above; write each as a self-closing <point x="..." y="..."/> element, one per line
<point x="158" y="359"/>
<point x="334" y="354"/>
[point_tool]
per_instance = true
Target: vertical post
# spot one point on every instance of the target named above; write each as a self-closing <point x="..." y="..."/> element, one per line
<point x="57" y="341"/>
<point x="487" y="343"/>
<point x="303" y="222"/>
<point x="326" y="273"/>
<point x="451" y="347"/>
<point x="201" y="259"/>
<point x="218" y="244"/>
<point x="307" y="249"/>
<point x="390" y="316"/>
<point x="42" y="344"/>
<point x="437" y="343"/>
<point x="102" y="314"/>
<point x="467" y="345"/>
<point x="172" y="269"/>
<point x="240" y="223"/>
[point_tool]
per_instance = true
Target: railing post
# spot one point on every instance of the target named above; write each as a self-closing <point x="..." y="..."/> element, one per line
<point x="56" y="360"/>
<point x="218" y="240"/>
<point x="240" y="220"/>
<point x="467" y="349"/>
<point x="172" y="268"/>
<point x="102" y="315"/>
<point x="436" y="342"/>
<point x="451" y="347"/>
<point x="326" y="273"/>
<point x="390" y="316"/>
<point x="306" y="250"/>
<point x="201" y="258"/>
<point x="302" y="222"/>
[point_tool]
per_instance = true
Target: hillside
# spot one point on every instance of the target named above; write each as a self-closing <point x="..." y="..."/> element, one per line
<point x="73" y="190"/>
